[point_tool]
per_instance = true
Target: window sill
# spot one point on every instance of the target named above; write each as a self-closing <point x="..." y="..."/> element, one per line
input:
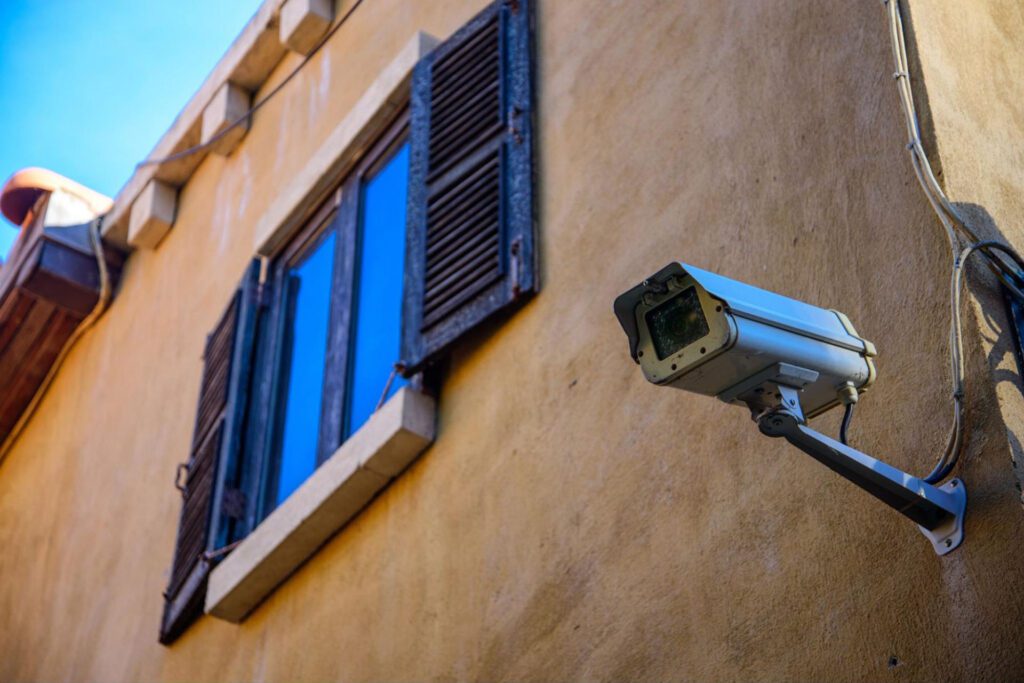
<point x="392" y="438"/>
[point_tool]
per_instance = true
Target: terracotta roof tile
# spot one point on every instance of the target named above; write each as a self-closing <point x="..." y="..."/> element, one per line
<point x="23" y="188"/>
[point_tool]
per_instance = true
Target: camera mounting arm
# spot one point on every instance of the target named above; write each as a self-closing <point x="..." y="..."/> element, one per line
<point x="938" y="511"/>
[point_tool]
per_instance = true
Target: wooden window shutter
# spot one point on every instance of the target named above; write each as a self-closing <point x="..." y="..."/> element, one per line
<point x="471" y="216"/>
<point x="216" y="442"/>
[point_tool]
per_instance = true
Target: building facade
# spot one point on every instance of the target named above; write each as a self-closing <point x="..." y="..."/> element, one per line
<point x="462" y="189"/>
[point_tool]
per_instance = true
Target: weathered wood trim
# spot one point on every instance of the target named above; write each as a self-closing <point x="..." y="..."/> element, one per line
<point x="50" y="285"/>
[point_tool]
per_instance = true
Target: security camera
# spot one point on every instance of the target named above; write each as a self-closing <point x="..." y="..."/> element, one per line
<point x="786" y="361"/>
<point x="695" y="330"/>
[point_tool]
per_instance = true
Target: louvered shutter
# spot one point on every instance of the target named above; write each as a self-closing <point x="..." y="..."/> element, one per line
<point x="471" y="218"/>
<point x="216" y="440"/>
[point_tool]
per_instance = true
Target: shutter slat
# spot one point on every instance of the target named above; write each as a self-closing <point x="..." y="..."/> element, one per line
<point x="459" y="227"/>
<point x="480" y="80"/>
<point x="483" y="69"/>
<point x="198" y="491"/>
<point x="483" y="176"/>
<point x="485" y="250"/>
<point x="458" y="145"/>
<point x="217" y="365"/>
<point x="456" y="60"/>
<point x="451" y="240"/>
<point x="480" y="202"/>
<point x="453" y="103"/>
<point x="472" y="101"/>
<point x="462" y="241"/>
<point x="474" y="120"/>
<point x="452" y="298"/>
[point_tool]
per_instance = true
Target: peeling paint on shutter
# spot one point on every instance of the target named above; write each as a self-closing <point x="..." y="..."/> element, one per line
<point x="471" y="218"/>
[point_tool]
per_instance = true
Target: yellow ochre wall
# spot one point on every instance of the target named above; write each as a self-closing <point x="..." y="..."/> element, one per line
<point x="571" y="520"/>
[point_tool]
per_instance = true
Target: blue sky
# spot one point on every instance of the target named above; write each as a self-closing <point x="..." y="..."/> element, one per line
<point x="87" y="87"/>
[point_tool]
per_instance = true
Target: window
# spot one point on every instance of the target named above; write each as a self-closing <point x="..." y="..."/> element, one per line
<point x="429" y="236"/>
<point x="307" y="297"/>
<point x="332" y="340"/>
<point x="378" y="307"/>
<point x="298" y="362"/>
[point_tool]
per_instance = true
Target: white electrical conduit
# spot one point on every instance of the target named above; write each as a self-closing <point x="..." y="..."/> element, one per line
<point x="101" y="305"/>
<point x="952" y="222"/>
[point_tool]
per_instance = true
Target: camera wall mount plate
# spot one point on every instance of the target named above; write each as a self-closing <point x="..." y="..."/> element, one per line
<point x="950" y="535"/>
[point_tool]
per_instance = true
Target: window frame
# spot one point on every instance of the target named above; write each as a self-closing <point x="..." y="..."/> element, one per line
<point x="340" y="213"/>
<point x="280" y="319"/>
<point x="354" y="189"/>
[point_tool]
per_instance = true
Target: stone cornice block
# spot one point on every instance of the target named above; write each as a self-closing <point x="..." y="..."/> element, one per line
<point x="304" y="23"/>
<point x="230" y="103"/>
<point x="152" y="215"/>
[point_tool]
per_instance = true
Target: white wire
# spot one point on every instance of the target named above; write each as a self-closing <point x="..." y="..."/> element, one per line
<point x="952" y="222"/>
<point x="947" y="215"/>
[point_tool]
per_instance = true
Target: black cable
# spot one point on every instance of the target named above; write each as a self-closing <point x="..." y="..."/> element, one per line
<point x="845" y="425"/>
<point x="200" y="147"/>
<point x="985" y="247"/>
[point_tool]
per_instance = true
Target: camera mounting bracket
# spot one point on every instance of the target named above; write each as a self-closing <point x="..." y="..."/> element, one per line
<point x="937" y="510"/>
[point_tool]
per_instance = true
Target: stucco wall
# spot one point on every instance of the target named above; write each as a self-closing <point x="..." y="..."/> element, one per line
<point x="572" y="521"/>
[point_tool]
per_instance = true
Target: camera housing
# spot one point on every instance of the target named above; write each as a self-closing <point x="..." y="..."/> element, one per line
<point x="695" y="330"/>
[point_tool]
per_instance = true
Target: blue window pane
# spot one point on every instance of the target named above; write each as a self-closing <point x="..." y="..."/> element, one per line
<point x="309" y="294"/>
<point x="379" y="290"/>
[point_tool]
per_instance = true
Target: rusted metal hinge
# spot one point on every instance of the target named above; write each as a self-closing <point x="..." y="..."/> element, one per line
<point x="515" y="250"/>
<point x="211" y="555"/>
<point x="178" y="483"/>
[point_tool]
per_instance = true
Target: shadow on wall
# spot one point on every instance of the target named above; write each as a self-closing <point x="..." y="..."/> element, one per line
<point x="986" y="402"/>
<point x="924" y="111"/>
<point x="985" y="408"/>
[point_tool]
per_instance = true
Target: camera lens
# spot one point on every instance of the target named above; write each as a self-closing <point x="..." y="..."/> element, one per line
<point x="676" y="323"/>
